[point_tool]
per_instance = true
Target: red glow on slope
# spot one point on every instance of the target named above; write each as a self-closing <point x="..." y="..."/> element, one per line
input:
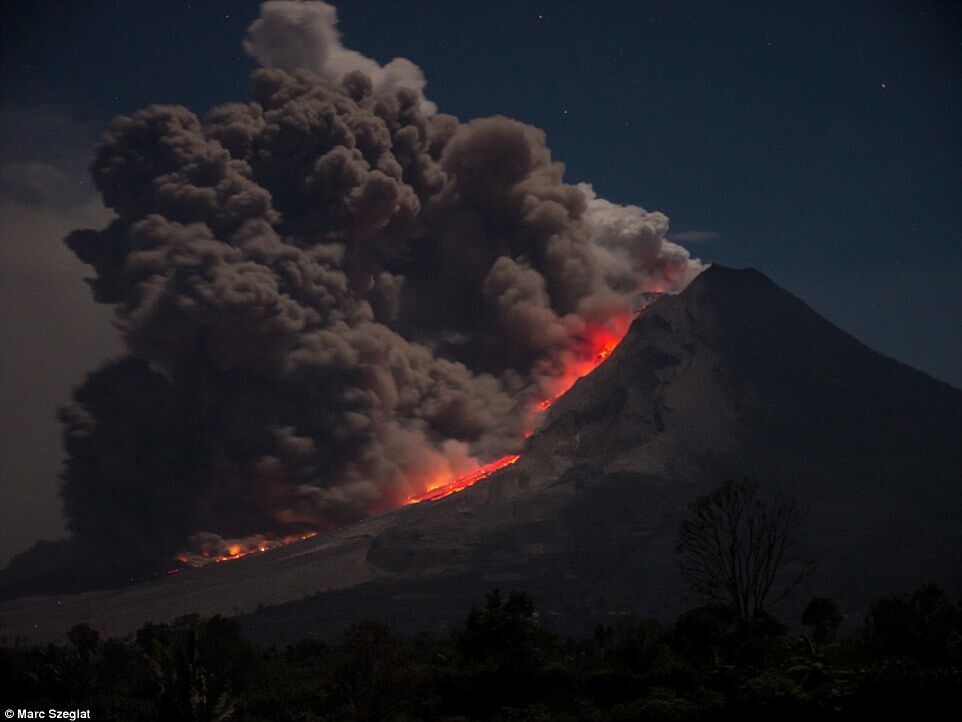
<point x="597" y="343"/>
<point x="463" y="482"/>
<point x="236" y="550"/>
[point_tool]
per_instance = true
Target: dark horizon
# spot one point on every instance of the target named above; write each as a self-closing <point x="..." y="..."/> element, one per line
<point x="480" y="361"/>
<point x="818" y="143"/>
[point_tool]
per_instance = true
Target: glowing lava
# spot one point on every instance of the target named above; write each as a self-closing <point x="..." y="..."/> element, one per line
<point x="463" y="482"/>
<point x="236" y="550"/>
<point x="596" y="344"/>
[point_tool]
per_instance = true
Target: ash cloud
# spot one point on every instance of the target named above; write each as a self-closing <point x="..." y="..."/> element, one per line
<point x="293" y="35"/>
<point x="328" y="296"/>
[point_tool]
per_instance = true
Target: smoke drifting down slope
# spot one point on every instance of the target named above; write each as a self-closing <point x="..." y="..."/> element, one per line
<point x="333" y="299"/>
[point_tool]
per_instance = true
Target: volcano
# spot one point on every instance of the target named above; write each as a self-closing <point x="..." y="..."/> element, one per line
<point x="734" y="377"/>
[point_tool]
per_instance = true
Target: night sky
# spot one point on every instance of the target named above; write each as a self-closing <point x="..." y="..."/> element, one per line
<point x="818" y="142"/>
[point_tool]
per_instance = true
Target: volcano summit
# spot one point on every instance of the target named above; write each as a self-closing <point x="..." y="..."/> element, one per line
<point x="733" y="377"/>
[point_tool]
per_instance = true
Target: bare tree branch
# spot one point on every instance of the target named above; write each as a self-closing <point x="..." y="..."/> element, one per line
<point x="741" y="550"/>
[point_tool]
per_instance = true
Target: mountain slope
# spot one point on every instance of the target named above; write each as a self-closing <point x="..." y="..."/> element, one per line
<point x="733" y="377"/>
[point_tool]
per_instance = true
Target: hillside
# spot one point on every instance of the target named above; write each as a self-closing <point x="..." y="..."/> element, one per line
<point x="732" y="377"/>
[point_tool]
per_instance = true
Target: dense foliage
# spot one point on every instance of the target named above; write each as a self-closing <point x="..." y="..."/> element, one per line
<point x="904" y="658"/>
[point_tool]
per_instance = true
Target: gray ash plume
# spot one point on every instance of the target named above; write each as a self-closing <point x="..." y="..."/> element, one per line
<point x="329" y="295"/>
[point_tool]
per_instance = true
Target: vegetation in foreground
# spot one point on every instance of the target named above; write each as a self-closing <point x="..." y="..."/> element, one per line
<point x="712" y="664"/>
<point x="728" y="659"/>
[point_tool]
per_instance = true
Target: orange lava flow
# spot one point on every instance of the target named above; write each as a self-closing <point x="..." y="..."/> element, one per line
<point x="463" y="482"/>
<point x="236" y="551"/>
<point x="597" y="343"/>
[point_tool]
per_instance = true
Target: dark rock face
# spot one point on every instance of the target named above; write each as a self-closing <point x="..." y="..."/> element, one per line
<point x="736" y="377"/>
<point x="733" y="377"/>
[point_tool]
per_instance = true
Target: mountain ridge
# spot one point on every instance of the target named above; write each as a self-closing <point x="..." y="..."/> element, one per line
<point x="732" y="377"/>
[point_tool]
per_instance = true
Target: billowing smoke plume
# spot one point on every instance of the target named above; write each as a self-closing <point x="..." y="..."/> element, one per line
<point x="296" y="35"/>
<point x="330" y="295"/>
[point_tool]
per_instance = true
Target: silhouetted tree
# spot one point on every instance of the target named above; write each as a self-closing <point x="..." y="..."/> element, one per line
<point x="711" y="664"/>
<point x="926" y="626"/>
<point x="739" y="549"/>
<point x="189" y="690"/>
<point x="822" y="616"/>
<point x="503" y="631"/>
<point x="84" y="639"/>
<point x="715" y="633"/>
<point x="375" y="677"/>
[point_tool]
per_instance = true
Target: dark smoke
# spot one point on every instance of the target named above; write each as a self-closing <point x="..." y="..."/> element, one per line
<point x="328" y="295"/>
